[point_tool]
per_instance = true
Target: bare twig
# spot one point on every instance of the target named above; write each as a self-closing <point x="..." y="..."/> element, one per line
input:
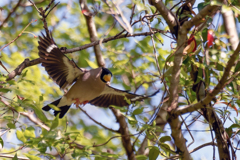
<point x="10" y="13"/>
<point x="27" y="63"/>
<point x="12" y="156"/>
<point x="100" y="124"/>
<point x="194" y="150"/>
<point x="18" y="35"/>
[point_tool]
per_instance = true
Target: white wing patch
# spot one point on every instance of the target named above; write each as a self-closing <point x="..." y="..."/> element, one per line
<point x="50" y="48"/>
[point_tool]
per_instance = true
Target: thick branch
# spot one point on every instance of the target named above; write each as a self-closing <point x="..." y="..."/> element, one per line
<point x="12" y="156"/>
<point x="126" y="141"/>
<point x="216" y="90"/>
<point x="166" y="13"/>
<point x="174" y="122"/>
<point x="92" y="32"/>
<point x="206" y="11"/>
<point x="230" y="28"/>
<point x="34" y="119"/>
<point x="27" y="63"/>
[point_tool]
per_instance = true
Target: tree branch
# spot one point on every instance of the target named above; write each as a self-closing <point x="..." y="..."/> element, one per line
<point x="206" y="11"/>
<point x="26" y="63"/>
<point x="126" y="141"/>
<point x="92" y="32"/>
<point x="11" y="156"/>
<point x="100" y="124"/>
<point x="202" y="103"/>
<point x="34" y="119"/>
<point x="10" y="13"/>
<point x="230" y="27"/>
<point x="166" y="13"/>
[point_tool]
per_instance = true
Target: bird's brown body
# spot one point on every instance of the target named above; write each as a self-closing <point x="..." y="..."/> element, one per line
<point x="88" y="86"/>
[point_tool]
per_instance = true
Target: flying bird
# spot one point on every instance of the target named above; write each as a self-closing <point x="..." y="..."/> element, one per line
<point x="88" y="86"/>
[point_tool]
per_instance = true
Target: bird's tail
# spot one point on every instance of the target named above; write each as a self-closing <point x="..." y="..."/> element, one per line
<point x="63" y="109"/>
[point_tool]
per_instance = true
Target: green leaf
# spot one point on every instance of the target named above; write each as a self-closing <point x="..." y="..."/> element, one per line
<point x="202" y="5"/>
<point x="204" y="34"/>
<point x="1" y="141"/>
<point x="11" y="126"/>
<point x="20" y="136"/>
<point x="4" y="90"/>
<point x="11" y="82"/>
<point x="15" y="157"/>
<point x="235" y="126"/>
<point x="165" y="138"/>
<point x="24" y="73"/>
<point x="207" y="77"/>
<point x="55" y="122"/>
<point x="141" y="157"/>
<point x="154" y="153"/>
<point x="41" y="98"/>
<point x="91" y="64"/>
<point x="54" y="107"/>
<point x="165" y="147"/>
<point x="138" y="111"/>
<point x="32" y="157"/>
<point x="29" y="132"/>
<point x="237" y="68"/>
<point x="39" y="113"/>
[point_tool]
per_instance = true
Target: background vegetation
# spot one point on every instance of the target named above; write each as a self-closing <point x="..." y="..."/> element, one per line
<point x="187" y="49"/>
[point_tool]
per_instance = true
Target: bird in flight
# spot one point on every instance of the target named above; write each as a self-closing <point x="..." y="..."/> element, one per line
<point x="88" y="86"/>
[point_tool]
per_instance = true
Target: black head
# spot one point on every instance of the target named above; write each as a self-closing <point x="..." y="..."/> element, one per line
<point x="106" y="75"/>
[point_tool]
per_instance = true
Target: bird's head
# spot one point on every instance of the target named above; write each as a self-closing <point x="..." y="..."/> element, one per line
<point x="106" y="75"/>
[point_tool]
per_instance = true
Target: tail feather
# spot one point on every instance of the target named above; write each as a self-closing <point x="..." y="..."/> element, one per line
<point x="63" y="109"/>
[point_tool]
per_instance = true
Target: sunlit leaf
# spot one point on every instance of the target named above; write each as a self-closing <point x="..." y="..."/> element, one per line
<point x="11" y="126"/>
<point x="55" y="122"/>
<point x="29" y="132"/>
<point x="32" y="157"/>
<point x="138" y="111"/>
<point x="91" y="64"/>
<point x="20" y="136"/>
<point x="154" y="153"/>
<point x="165" y="138"/>
<point x="15" y="157"/>
<point x="141" y="157"/>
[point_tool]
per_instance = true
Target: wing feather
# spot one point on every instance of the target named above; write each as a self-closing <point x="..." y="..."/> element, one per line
<point x="117" y="97"/>
<point x="62" y="70"/>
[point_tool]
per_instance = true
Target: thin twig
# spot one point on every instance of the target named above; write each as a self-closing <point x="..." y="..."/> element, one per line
<point x="100" y="124"/>
<point x="9" y="15"/>
<point x="188" y="132"/>
<point x="27" y="63"/>
<point x="18" y="35"/>
<point x="34" y="6"/>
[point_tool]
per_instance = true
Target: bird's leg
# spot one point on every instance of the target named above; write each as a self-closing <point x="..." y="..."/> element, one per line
<point x="77" y="103"/>
<point x="85" y="102"/>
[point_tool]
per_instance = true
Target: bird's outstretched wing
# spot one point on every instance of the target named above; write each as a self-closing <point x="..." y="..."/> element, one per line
<point x="113" y="96"/>
<point x="62" y="70"/>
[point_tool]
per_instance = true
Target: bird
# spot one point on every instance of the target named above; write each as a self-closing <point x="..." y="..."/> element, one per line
<point x="87" y="86"/>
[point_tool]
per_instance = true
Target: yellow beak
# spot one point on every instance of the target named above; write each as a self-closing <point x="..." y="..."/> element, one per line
<point x="107" y="77"/>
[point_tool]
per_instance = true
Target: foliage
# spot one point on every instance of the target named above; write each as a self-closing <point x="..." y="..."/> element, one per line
<point x="134" y="66"/>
